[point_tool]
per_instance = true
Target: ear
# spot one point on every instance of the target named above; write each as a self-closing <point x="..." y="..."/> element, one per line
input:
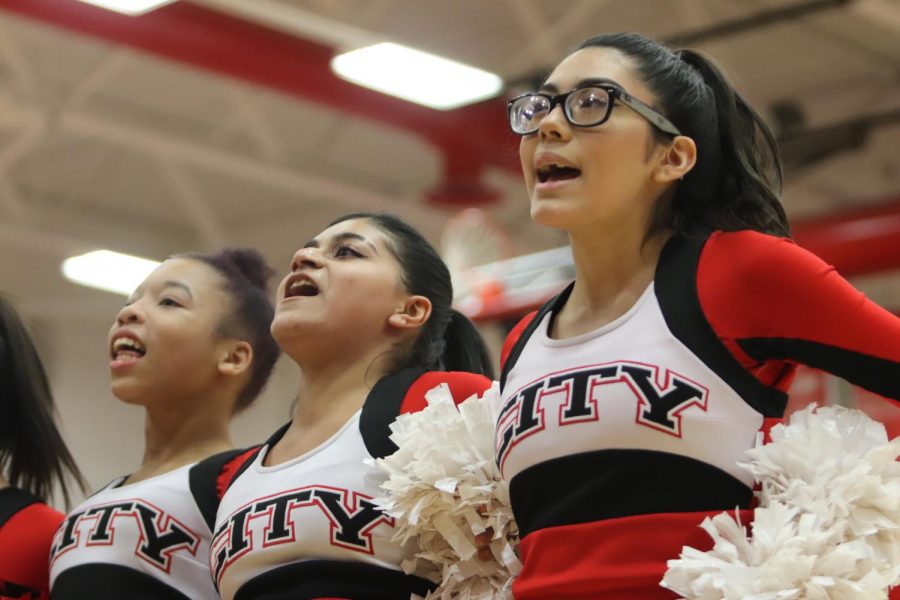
<point x="678" y="158"/>
<point x="413" y="314"/>
<point x="235" y="357"/>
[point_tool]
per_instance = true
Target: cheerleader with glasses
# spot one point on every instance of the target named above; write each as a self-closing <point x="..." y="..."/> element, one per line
<point x="629" y="399"/>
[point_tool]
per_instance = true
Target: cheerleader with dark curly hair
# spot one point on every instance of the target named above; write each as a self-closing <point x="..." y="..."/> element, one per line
<point x="192" y="347"/>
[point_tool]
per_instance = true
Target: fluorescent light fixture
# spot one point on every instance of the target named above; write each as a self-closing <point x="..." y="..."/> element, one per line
<point x="129" y="7"/>
<point x="416" y="76"/>
<point x="108" y="270"/>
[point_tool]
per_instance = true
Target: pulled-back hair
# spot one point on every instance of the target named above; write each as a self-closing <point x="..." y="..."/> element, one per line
<point x="246" y="275"/>
<point x="736" y="182"/>
<point x="32" y="451"/>
<point x="448" y="340"/>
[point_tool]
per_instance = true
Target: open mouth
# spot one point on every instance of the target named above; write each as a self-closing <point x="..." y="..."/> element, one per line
<point x="554" y="172"/>
<point x="302" y="287"/>
<point x="127" y="347"/>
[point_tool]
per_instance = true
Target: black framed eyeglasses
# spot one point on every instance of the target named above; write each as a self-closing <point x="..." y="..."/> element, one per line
<point x="583" y="107"/>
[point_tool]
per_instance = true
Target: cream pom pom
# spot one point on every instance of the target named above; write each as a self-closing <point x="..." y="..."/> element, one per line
<point x="444" y="488"/>
<point x="828" y="521"/>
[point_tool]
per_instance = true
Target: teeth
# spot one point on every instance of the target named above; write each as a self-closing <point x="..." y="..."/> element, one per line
<point x="552" y="167"/>
<point x="551" y="170"/>
<point x="303" y="286"/>
<point x="126" y="343"/>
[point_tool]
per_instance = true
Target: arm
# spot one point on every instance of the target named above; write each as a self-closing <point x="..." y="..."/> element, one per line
<point x="775" y="305"/>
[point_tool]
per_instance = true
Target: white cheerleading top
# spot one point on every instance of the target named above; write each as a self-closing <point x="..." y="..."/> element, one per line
<point x="143" y="540"/>
<point x="308" y="528"/>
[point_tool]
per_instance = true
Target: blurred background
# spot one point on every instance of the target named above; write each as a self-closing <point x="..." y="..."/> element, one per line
<point x="205" y="123"/>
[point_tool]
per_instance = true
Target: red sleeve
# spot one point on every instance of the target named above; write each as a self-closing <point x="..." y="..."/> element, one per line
<point x="513" y="337"/>
<point x="25" y="541"/>
<point x="775" y="305"/>
<point x="462" y="387"/>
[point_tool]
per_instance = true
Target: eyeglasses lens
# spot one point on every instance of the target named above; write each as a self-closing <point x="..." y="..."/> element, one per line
<point x="584" y="107"/>
<point x="587" y="106"/>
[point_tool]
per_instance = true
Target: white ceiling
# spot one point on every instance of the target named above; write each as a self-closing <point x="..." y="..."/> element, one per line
<point x="103" y="145"/>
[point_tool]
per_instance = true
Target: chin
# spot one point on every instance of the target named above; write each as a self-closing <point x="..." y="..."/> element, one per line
<point x="553" y="213"/>
<point x="288" y="331"/>
<point x="127" y="393"/>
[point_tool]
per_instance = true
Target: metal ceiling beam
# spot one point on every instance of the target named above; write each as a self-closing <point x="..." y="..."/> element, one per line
<point x="296" y="21"/>
<point x="19" y="69"/>
<point x="31" y="127"/>
<point x="234" y="165"/>
<point x="43" y="242"/>
<point x="881" y="12"/>
<point x="471" y="138"/>
<point x="755" y="21"/>
<point x="250" y="120"/>
<point x="196" y="208"/>
<point x="109" y="65"/>
<point x="574" y="17"/>
<point x="545" y="43"/>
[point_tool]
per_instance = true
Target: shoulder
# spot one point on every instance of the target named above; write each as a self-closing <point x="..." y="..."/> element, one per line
<point x="462" y="386"/>
<point x="211" y="477"/>
<point x="514" y="334"/>
<point x="19" y="507"/>
<point x="744" y="276"/>
<point x="38" y="518"/>
<point x="25" y="541"/>
<point x="751" y="258"/>
<point x="404" y="392"/>
<point x="518" y="336"/>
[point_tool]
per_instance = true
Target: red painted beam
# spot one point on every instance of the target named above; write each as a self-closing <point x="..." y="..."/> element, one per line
<point x="470" y="137"/>
<point x="856" y="242"/>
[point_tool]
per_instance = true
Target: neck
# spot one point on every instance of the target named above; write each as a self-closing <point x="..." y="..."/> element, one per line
<point x="174" y="438"/>
<point x="330" y="394"/>
<point x="333" y="393"/>
<point x="611" y="273"/>
<point x="3" y="482"/>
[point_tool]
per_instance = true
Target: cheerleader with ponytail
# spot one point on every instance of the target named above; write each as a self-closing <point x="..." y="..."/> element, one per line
<point x="364" y="312"/>
<point x="631" y="399"/>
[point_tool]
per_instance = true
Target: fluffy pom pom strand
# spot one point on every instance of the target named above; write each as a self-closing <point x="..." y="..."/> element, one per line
<point x="828" y="521"/>
<point x="444" y="489"/>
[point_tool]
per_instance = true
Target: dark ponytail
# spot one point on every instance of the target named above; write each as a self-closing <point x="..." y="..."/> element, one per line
<point x="736" y="182"/>
<point x="32" y="451"/>
<point x="448" y="340"/>
<point x="246" y="275"/>
<point x="465" y="349"/>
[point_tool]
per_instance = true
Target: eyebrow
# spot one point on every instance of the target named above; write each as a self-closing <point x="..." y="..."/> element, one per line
<point x="139" y="290"/>
<point x="179" y="285"/>
<point x="347" y="235"/>
<point x="552" y="89"/>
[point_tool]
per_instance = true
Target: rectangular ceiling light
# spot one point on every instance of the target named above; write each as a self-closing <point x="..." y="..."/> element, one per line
<point x="416" y="76"/>
<point x="129" y="7"/>
<point x="108" y="270"/>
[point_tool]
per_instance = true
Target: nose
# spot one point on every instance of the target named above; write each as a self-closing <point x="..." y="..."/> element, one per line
<point x="554" y="123"/>
<point x="306" y="257"/>
<point x="130" y="313"/>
